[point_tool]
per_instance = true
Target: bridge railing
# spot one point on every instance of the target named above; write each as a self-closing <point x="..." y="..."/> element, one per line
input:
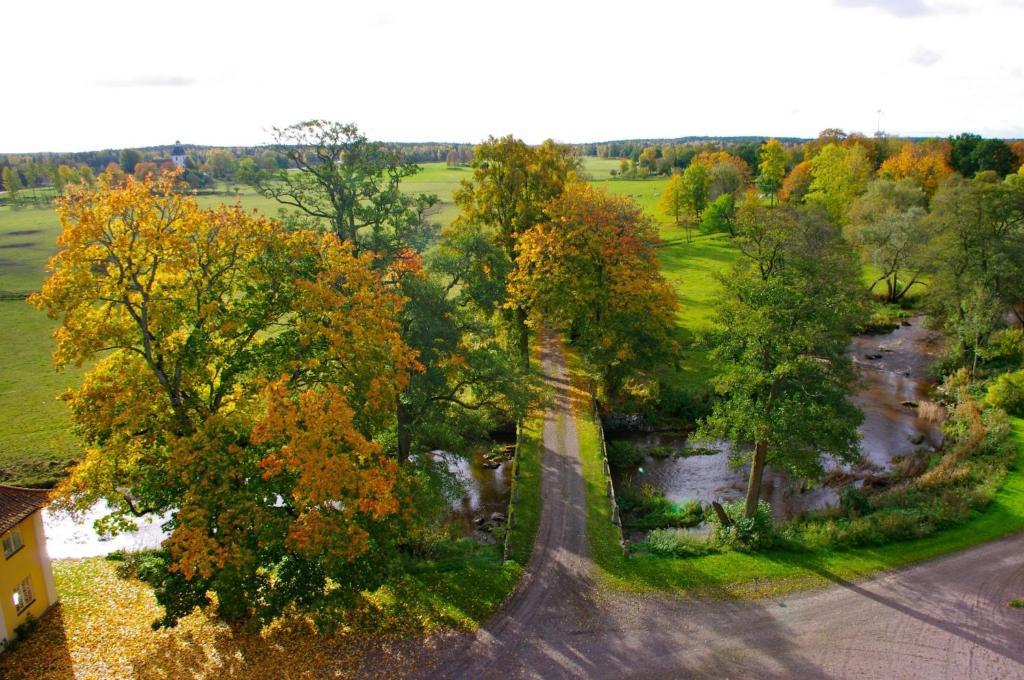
<point x="610" y="487"/>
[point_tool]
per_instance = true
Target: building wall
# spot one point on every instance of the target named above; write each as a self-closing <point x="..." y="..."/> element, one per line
<point x="30" y="561"/>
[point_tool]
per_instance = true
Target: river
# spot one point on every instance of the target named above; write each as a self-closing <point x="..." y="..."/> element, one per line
<point x="893" y="368"/>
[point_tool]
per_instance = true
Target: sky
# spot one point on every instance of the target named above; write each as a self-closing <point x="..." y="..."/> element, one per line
<point x="105" y="74"/>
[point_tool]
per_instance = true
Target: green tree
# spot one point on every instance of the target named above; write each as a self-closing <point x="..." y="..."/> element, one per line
<point x="694" y="188"/>
<point x="128" y="159"/>
<point x="772" y="168"/>
<point x="888" y="225"/>
<point x="12" y="183"/>
<point x="349" y="185"/>
<point x="221" y="165"/>
<point x="976" y="259"/>
<point x="840" y="175"/>
<point x="511" y="184"/>
<point x="786" y="313"/>
<point x="720" y="215"/>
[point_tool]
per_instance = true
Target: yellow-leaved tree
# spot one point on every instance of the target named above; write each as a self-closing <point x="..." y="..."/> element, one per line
<point x="237" y="375"/>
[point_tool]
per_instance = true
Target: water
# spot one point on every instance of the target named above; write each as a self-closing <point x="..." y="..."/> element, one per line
<point x="896" y="373"/>
<point x="486" y="491"/>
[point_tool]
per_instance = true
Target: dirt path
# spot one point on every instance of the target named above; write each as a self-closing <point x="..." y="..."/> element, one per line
<point x="942" y="619"/>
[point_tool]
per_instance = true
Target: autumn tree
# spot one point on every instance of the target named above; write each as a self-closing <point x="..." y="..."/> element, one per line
<point x="672" y="201"/>
<point x="888" y="225"/>
<point x="797" y="183"/>
<point x="237" y="375"/>
<point x="840" y="174"/>
<point x="786" y="311"/>
<point x="511" y="184"/>
<point x="772" y="168"/>
<point x="465" y="380"/>
<point x="925" y="165"/>
<point x="592" y="266"/>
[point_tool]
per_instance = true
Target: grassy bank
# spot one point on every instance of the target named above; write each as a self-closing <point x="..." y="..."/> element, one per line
<point x="738" y="574"/>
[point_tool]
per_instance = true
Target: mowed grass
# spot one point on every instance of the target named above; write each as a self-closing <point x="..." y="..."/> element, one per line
<point x="36" y="441"/>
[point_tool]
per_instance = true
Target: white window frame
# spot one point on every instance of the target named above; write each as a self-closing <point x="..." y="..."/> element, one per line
<point x="12" y="543"/>
<point x="23" y="597"/>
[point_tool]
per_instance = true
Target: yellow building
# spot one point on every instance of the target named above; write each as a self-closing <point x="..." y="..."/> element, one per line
<point x="26" y="579"/>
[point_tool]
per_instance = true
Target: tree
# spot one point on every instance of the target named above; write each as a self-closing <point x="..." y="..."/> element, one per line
<point x="592" y="265"/>
<point x="464" y="380"/>
<point x="720" y="215"/>
<point x="785" y="316"/>
<point x="349" y="185"/>
<point x="840" y="174"/>
<point x="925" y="165"/>
<point x="672" y="201"/>
<point x="961" y="153"/>
<point x="510" y="186"/>
<point x="772" y="168"/>
<point x="238" y="374"/>
<point x="12" y="183"/>
<point x="994" y="155"/>
<point x="797" y="183"/>
<point x="975" y="259"/>
<point x="128" y="159"/>
<point x="694" y="188"/>
<point x="888" y="224"/>
<point x="221" y="165"/>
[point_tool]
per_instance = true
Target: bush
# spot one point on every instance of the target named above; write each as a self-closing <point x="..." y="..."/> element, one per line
<point x="885" y="318"/>
<point x="1007" y="393"/>
<point x="623" y="454"/>
<point x="750" y="533"/>
<point x="1005" y="349"/>
<point x="661" y="452"/>
<point x="649" y="509"/>
<point x="673" y="543"/>
<point x="138" y="564"/>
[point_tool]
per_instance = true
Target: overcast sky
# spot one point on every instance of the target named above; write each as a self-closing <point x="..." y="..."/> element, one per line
<point x="90" y="75"/>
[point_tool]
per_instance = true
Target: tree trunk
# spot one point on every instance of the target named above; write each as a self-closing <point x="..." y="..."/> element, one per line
<point x="522" y="336"/>
<point x="404" y="432"/>
<point x="756" y="474"/>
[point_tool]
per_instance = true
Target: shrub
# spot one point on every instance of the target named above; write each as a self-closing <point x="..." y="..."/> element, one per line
<point x="623" y="454"/>
<point x="749" y="533"/>
<point x="649" y="509"/>
<point x="1005" y="349"/>
<point x="1007" y="393"/>
<point x="884" y="318"/>
<point x="673" y="543"/>
<point x="138" y="564"/>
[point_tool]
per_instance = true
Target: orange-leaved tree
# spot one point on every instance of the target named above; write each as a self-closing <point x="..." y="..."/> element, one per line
<point x="237" y="374"/>
<point x="591" y="266"/>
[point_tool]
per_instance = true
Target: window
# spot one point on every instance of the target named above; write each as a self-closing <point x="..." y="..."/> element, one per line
<point x="23" y="596"/>
<point x="12" y="543"/>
